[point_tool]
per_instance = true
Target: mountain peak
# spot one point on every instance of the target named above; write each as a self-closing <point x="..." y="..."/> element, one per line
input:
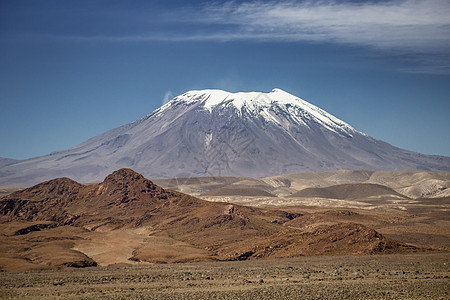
<point x="123" y="174"/>
<point x="214" y="133"/>
<point x="277" y="106"/>
<point x="126" y="182"/>
<point x="56" y="186"/>
<point x="277" y="90"/>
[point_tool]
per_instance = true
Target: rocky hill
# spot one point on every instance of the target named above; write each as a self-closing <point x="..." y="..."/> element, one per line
<point x="128" y="219"/>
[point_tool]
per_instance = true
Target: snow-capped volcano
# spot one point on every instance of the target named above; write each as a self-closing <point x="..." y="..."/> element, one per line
<point x="271" y="106"/>
<point x="213" y="133"/>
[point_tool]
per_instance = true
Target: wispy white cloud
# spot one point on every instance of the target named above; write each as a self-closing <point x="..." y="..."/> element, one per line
<point x="167" y="97"/>
<point x="418" y="28"/>
<point x="417" y="25"/>
<point x="420" y="25"/>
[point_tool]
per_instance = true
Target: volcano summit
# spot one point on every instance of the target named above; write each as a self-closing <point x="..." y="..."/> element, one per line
<point x="217" y="133"/>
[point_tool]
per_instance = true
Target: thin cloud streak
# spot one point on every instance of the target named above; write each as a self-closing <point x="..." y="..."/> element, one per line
<point x="419" y="29"/>
<point x="414" y="25"/>
<point x="417" y="25"/>
<point x="422" y="26"/>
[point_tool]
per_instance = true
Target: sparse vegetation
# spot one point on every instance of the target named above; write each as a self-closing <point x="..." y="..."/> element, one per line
<point x="397" y="276"/>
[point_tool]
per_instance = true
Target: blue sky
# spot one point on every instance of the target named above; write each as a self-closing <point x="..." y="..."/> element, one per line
<point x="70" y="70"/>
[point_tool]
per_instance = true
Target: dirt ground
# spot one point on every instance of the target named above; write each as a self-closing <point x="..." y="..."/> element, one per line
<point x="406" y="276"/>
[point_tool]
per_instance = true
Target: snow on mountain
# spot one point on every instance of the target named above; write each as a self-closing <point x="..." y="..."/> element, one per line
<point x="214" y="132"/>
<point x="262" y="104"/>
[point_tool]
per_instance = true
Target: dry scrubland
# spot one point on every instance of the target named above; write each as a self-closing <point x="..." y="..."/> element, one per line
<point x="405" y="276"/>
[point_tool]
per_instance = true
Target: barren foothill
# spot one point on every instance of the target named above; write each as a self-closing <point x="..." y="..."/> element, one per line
<point x="128" y="219"/>
<point x="408" y="206"/>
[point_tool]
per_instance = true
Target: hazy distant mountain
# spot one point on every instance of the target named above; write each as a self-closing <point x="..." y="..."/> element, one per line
<point x="6" y="161"/>
<point x="344" y="183"/>
<point x="213" y="132"/>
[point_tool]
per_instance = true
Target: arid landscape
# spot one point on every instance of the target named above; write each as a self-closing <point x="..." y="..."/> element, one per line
<point x="129" y="219"/>
<point x="226" y="149"/>
<point x="409" y="206"/>
<point x="241" y="237"/>
<point x="395" y="276"/>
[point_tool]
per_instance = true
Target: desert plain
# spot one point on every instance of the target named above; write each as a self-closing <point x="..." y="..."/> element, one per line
<point x="394" y="276"/>
<point x="337" y="235"/>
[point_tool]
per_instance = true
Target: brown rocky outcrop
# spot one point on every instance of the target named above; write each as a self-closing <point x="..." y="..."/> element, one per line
<point x="58" y="213"/>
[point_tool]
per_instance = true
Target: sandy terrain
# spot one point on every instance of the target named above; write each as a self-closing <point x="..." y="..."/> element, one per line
<point x="406" y="276"/>
<point x="113" y="247"/>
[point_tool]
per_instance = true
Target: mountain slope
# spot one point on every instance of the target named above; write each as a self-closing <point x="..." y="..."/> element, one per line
<point x="7" y="161"/>
<point x="216" y="133"/>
